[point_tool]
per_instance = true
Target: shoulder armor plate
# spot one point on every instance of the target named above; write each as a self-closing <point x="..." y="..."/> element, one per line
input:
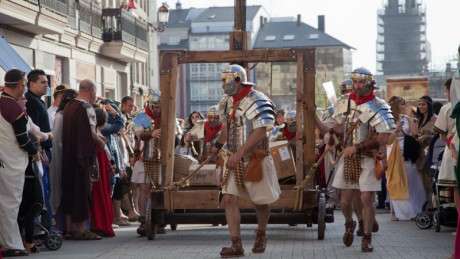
<point x="378" y="113"/>
<point x="256" y="103"/>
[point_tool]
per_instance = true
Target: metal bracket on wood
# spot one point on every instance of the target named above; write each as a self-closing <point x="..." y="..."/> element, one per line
<point x="166" y="60"/>
<point x="308" y="59"/>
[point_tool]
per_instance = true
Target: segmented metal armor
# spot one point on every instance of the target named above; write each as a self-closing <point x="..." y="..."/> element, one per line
<point x="151" y="151"/>
<point x="253" y="111"/>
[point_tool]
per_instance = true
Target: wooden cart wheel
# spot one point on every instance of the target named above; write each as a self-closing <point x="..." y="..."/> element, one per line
<point x="321" y="216"/>
<point x="173" y="226"/>
<point x="149" y="225"/>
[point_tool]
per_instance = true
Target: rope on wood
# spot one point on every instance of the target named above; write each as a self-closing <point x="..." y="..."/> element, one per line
<point x="300" y="188"/>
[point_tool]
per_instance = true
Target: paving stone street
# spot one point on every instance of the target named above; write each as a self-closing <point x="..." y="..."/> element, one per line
<point x="395" y="239"/>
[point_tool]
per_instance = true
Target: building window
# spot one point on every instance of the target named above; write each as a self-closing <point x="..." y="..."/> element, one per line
<point x="173" y="40"/>
<point x="270" y="38"/>
<point x="313" y="36"/>
<point x="289" y="37"/>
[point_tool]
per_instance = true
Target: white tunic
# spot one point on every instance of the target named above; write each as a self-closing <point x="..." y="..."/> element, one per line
<point x="446" y="125"/>
<point x="12" y="171"/>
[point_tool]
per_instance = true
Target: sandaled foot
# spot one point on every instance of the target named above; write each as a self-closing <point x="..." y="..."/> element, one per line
<point x="375" y="227"/>
<point x="69" y="235"/>
<point x="360" y="231"/>
<point x="13" y="253"/>
<point x="141" y="230"/>
<point x="86" y="235"/>
<point x="133" y="218"/>
<point x="236" y="250"/>
<point x="260" y="243"/>
<point x="366" y="244"/>
<point x="31" y="248"/>
<point x="161" y="230"/>
<point x="349" y="234"/>
<point x="122" y="223"/>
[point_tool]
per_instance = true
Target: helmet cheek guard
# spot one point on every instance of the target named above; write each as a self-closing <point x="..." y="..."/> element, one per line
<point x="229" y="77"/>
<point x="364" y="74"/>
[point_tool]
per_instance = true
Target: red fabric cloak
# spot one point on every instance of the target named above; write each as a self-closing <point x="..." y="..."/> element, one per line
<point x="101" y="211"/>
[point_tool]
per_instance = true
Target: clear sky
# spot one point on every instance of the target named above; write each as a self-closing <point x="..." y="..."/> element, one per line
<point x="354" y="22"/>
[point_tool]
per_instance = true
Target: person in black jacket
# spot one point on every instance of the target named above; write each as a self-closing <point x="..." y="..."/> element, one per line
<point x="37" y="87"/>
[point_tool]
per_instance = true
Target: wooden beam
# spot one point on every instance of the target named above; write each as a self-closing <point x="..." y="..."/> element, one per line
<point x="240" y="15"/>
<point x="171" y="138"/>
<point x="309" y="112"/>
<point x="239" y="41"/>
<point x="195" y="199"/>
<point x="300" y="102"/>
<point x="236" y="56"/>
<point x="209" y="199"/>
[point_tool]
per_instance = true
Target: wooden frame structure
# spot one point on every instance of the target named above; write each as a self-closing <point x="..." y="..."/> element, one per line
<point x="203" y="204"/>
<point x="305" y="96"/>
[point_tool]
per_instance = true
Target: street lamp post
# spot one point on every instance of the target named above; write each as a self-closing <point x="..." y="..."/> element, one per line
<point x="163" y="17"/>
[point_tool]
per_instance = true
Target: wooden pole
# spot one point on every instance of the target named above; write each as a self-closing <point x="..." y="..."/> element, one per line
<point x="309" y="111"/>
<point x="300" y="119"/>
<point x="240" y="15"/>
<point x="239" y="37"/>
<point x="168" y="85"/>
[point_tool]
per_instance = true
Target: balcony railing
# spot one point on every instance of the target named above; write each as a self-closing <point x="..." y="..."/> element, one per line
<point x="96" y="20"/>
<point x="57" y="6"/>
<point x="84" y="17"/>
<point x="71" y="12"/>
<point x="141" y="34"/>
<point x="120" y="25"/>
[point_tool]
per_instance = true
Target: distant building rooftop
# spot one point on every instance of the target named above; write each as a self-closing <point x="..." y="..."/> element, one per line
<point x="224" y="14"/>
<point x="288" y="33"/>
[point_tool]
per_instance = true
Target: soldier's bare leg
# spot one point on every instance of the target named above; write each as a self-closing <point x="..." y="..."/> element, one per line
<point x="233" y="216"/>
<point x="144" y="189"/>
<point x="368" y="218"/>
<point x="263" y="215"/>
<point x="346" y="205"/>
<point x="358" y="209"/>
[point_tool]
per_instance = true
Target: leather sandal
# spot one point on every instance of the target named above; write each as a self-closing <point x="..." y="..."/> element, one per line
<point x="360" y="231"/>
<point x="375" y="227"/>
<point x="236" y="250"/>
<point x="141" y="230"/>
<point x="69" y="235"/>
<point x="349" y="234"/>
<point x="260" y="243"/>
<point x="161" y="229"/>
<point x="366" y="244"/>
<point x="86" y="235"/>
<point x="31" y="248"/>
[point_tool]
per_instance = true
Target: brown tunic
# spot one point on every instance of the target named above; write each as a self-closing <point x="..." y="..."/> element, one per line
<point x="77" y="147"/>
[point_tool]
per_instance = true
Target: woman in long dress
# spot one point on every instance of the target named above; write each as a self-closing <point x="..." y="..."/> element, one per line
<point x="406" y="209"/>
<point x="101" y="210"/>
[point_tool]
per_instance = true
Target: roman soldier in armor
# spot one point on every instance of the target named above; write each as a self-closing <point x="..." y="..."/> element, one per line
<point x="289" y="129"/>
<point x="207" y="132"/>
<point x="364" y="123"/>
<point x="148" y="132"/>
<point x="247" y="116"/>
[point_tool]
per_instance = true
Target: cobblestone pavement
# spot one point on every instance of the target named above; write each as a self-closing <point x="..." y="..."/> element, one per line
<point x="395" y="239"/>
